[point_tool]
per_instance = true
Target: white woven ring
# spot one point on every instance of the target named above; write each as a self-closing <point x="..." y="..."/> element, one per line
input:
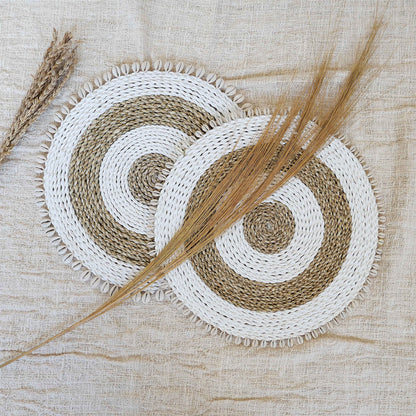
<point x="192" y="290"/>
<point x="290" y="261"/>
<point x="203" y="93"/>
<point x="117" y="163"/>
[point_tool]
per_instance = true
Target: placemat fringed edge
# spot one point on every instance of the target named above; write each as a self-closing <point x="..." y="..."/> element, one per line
<point x="83" y="273"/>
<point x="290" y="342"/>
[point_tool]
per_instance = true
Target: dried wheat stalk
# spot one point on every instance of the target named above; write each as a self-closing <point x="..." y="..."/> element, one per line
<point x="262" y="169"/>
<point x="57" y="66"/>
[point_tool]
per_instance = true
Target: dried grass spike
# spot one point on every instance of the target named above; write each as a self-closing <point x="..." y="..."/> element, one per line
<point x="255" y="176"/>
<point x="57" y="66"/>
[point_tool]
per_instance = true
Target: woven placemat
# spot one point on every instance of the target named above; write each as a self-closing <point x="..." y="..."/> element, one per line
<point x="107" y="156"/>
<point x="292" y="266"/>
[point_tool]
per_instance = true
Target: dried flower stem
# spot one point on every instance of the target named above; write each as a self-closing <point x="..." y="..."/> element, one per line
<point x="57" y="66"/>
<point x="282" y="150"/>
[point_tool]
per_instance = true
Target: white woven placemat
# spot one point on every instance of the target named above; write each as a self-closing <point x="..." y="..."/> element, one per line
<point x="293" y="265"/>
<point x="107" y="156"/>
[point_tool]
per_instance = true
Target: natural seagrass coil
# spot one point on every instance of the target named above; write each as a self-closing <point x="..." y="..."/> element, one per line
<point x="107" y="156"/>
<point x="293" y="265"/>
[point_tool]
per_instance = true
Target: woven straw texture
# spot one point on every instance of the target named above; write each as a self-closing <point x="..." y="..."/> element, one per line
<point x="291" y="265"/>
<point x="149" y="359"/>
<point x="106" y="159"/>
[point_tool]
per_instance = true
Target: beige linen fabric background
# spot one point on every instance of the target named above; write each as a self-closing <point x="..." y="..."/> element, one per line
<point x="149" y="359"/>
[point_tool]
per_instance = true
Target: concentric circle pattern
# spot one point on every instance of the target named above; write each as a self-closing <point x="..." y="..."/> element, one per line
<point x="110" y="155"/>
<point x="269" y="228"/>
<point x="291" y="265"/>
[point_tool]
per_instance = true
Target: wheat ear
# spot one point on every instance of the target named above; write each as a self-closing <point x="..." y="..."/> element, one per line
<point x="56" y="67"/>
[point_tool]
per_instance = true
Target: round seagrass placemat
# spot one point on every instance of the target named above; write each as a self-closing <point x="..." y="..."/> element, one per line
<point x="293" y="265"/>
<point x="108" y="154"/>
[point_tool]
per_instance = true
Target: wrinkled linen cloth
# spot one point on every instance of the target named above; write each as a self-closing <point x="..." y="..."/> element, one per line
<point x="148" y="359"/>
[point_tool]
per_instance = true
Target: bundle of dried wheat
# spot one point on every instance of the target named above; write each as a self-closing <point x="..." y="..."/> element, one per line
<point x="57" y="66"/>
